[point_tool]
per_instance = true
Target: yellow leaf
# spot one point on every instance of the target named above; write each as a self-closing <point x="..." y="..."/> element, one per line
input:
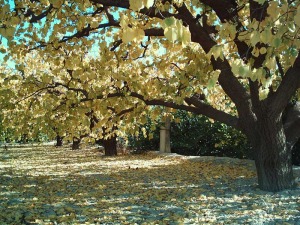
<point x="297" y="17"/>
<point x="94" y="24"/>
<point x="124" y="21"/>
<point x="177" y="120"/>
<point x="214" y="75"/>
<point x="273" y="9"/>
<point x="254" y="38"/>
<point x="45" y="2"/>
<point x="56" y="3"/>
<point x="186" y="36"/>
<point x="148" y="3"/>
<point x="150" y="136"/>
<point x="136" y="5"/>
<point x="265" y="36"/>
<point x="171" y="33"/>
<point x="216" y="51"/>
<point x="128" y="35"/>
<point x="270" y="63"/>
<point x="255" y="52"/>
<point x="8" y="32"/>
<point x="263" y="50"/>
<point x="263" y="94"/>
<point x="14" y="21"/>
<point x="131" y="34"/>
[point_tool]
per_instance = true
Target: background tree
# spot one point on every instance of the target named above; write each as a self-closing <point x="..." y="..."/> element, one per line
<point x="206" y="57"/>
<point x="49" y="98"/>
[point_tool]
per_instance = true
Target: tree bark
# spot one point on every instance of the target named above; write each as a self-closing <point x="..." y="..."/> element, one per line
<point x="291" y="123"/>
<point x="110" y="146"/>
<point x="273" y="156"/>
<point x="76" y="143"/>
<point x="59" y="141"/>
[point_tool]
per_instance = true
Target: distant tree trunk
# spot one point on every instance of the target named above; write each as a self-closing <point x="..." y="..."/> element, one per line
<point x="76" y="143"/>
<point x="24" y="139"/>
<point x="59" y="141"/>
<point x="110" y="146"/>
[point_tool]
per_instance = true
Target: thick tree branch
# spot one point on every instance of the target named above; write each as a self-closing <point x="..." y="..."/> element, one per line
<point x="110" y="17"/>
<point x="78" y="90"/>
<point x="85" y="32"/>
<point x="258" y="11"/>
<point x="148" y="32"/>
<point x="213" y="113"/>
<point x="34" y="18"/>
<point x="116" y="3"/>
<point x="35" y="93"/>
<point x="287" y="88"/>
<point x="200" y="108"/>
<point x="230" y="84"/>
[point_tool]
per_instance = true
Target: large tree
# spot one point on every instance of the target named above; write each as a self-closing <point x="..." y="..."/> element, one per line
<point x="235" y="61"/>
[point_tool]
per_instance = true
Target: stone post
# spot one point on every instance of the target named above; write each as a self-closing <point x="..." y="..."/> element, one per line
<point x="165" y="145"/>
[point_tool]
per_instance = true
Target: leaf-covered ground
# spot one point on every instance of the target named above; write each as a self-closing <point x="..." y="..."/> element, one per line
<point x="46" y="185"/>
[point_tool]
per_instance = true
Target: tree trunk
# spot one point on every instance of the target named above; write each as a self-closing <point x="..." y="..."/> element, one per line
<point x="110" y="146"/>
<point x="273" y="156"/>
<point x="24" y="139"/>
<point x="59" y="141"/>
<point x="76" y="143"/>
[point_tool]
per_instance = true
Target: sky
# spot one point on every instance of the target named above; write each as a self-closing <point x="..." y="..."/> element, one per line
<point x="3" y="41"/>
<point x="94" y="51"/>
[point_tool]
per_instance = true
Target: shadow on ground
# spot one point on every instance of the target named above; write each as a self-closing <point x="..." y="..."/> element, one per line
<point x="58" y="186"/>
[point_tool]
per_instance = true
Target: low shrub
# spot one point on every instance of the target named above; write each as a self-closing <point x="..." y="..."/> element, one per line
<point x="196" y="135"/>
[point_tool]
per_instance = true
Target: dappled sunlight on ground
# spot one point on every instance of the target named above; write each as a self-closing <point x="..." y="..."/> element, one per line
<point x="46" y="185"/>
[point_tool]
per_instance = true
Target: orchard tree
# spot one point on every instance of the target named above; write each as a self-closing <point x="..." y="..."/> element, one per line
<point x="235" y="61"/>
<point x="44" y="96"/>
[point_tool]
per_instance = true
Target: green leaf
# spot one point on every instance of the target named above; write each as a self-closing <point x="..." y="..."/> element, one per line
<point x="277" y="42"/>
<point x="293" y="51"/>
<point x="169" y="21"/>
